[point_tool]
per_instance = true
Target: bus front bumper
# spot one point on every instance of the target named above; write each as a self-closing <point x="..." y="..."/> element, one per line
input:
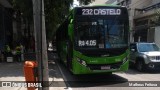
<point x="80" y="67"/>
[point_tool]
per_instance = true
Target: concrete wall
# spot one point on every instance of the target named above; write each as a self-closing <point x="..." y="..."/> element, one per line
<point x="140" y="3"/>
<point x="99" y="2"/>
<point x="157" y="35"/>
<point x="155" y="1"/>
<point x="111" y="1"/>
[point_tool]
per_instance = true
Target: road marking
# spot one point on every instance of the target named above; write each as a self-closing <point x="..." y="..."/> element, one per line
<point x="68" y="86"/>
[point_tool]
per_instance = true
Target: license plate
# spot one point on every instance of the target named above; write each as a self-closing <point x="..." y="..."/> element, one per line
<point x="105" y="67"/>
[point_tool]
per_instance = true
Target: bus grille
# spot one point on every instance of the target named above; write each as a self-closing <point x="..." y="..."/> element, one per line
<point x="99" y="66"/>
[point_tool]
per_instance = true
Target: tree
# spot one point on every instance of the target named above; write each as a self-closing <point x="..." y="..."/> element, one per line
<point x="85" y="2"/>
<point x="55" y="12"/>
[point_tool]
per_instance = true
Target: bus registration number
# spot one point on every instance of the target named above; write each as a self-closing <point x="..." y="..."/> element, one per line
<point x="87" y="43"/>
<point x="105" y="67"/>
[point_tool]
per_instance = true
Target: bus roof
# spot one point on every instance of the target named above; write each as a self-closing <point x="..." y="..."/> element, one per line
<point x="109" y="5"/>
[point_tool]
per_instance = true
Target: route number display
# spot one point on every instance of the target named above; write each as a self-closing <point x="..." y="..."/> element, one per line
<point x="101" y="11"/>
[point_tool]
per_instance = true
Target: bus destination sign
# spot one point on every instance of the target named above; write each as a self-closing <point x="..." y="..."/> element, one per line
<point x="101" y="12"/>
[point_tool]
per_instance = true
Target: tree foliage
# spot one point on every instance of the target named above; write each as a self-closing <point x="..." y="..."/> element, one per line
<point x="55" y="11"/>
<point x="85" y="2"/>
<point x="24" y="7"/>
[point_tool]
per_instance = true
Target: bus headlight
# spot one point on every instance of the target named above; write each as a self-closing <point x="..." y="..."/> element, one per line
<point x="81" y="61"/>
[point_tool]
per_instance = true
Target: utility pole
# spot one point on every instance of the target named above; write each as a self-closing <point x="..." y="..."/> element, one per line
<point x="40" y="43"/>
<point x="44" y="51"/>
<point x="37" y="31"/>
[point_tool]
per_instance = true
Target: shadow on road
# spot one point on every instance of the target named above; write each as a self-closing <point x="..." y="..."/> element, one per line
<point x="133" y="70"/>
<point x="53" y="70"/>
<point x="14" y="69"/>
<point x="94" y="80"/>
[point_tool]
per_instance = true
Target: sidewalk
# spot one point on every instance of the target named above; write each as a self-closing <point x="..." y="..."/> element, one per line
<point x="11" y="72"/>
<point x="14" y="72"/>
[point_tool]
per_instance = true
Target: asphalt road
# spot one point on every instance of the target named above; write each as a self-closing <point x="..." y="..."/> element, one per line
<point x="115" y="81"/>
<point x="61" y="79"/>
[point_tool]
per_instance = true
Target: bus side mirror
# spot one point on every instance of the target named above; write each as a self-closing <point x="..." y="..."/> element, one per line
<point x="70" y="28"/>
<point x="71" y="21"/>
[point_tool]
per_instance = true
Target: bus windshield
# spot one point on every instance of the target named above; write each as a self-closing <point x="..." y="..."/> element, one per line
<point x="101" y="33"/>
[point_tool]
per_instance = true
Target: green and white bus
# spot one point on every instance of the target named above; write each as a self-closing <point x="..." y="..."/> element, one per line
<point x="94" y="39"/>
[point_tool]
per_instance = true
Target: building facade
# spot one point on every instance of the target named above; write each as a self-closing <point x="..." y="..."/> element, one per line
<point x="6" y="29"/>
<point x="98" y="2"/>
<point x="144" y="17"/>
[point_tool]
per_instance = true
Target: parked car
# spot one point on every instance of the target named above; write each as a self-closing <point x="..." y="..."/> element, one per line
<point x="144" y="55"/>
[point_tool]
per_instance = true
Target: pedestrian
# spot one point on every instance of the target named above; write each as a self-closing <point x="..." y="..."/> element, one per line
<point x="7" y="51"/>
